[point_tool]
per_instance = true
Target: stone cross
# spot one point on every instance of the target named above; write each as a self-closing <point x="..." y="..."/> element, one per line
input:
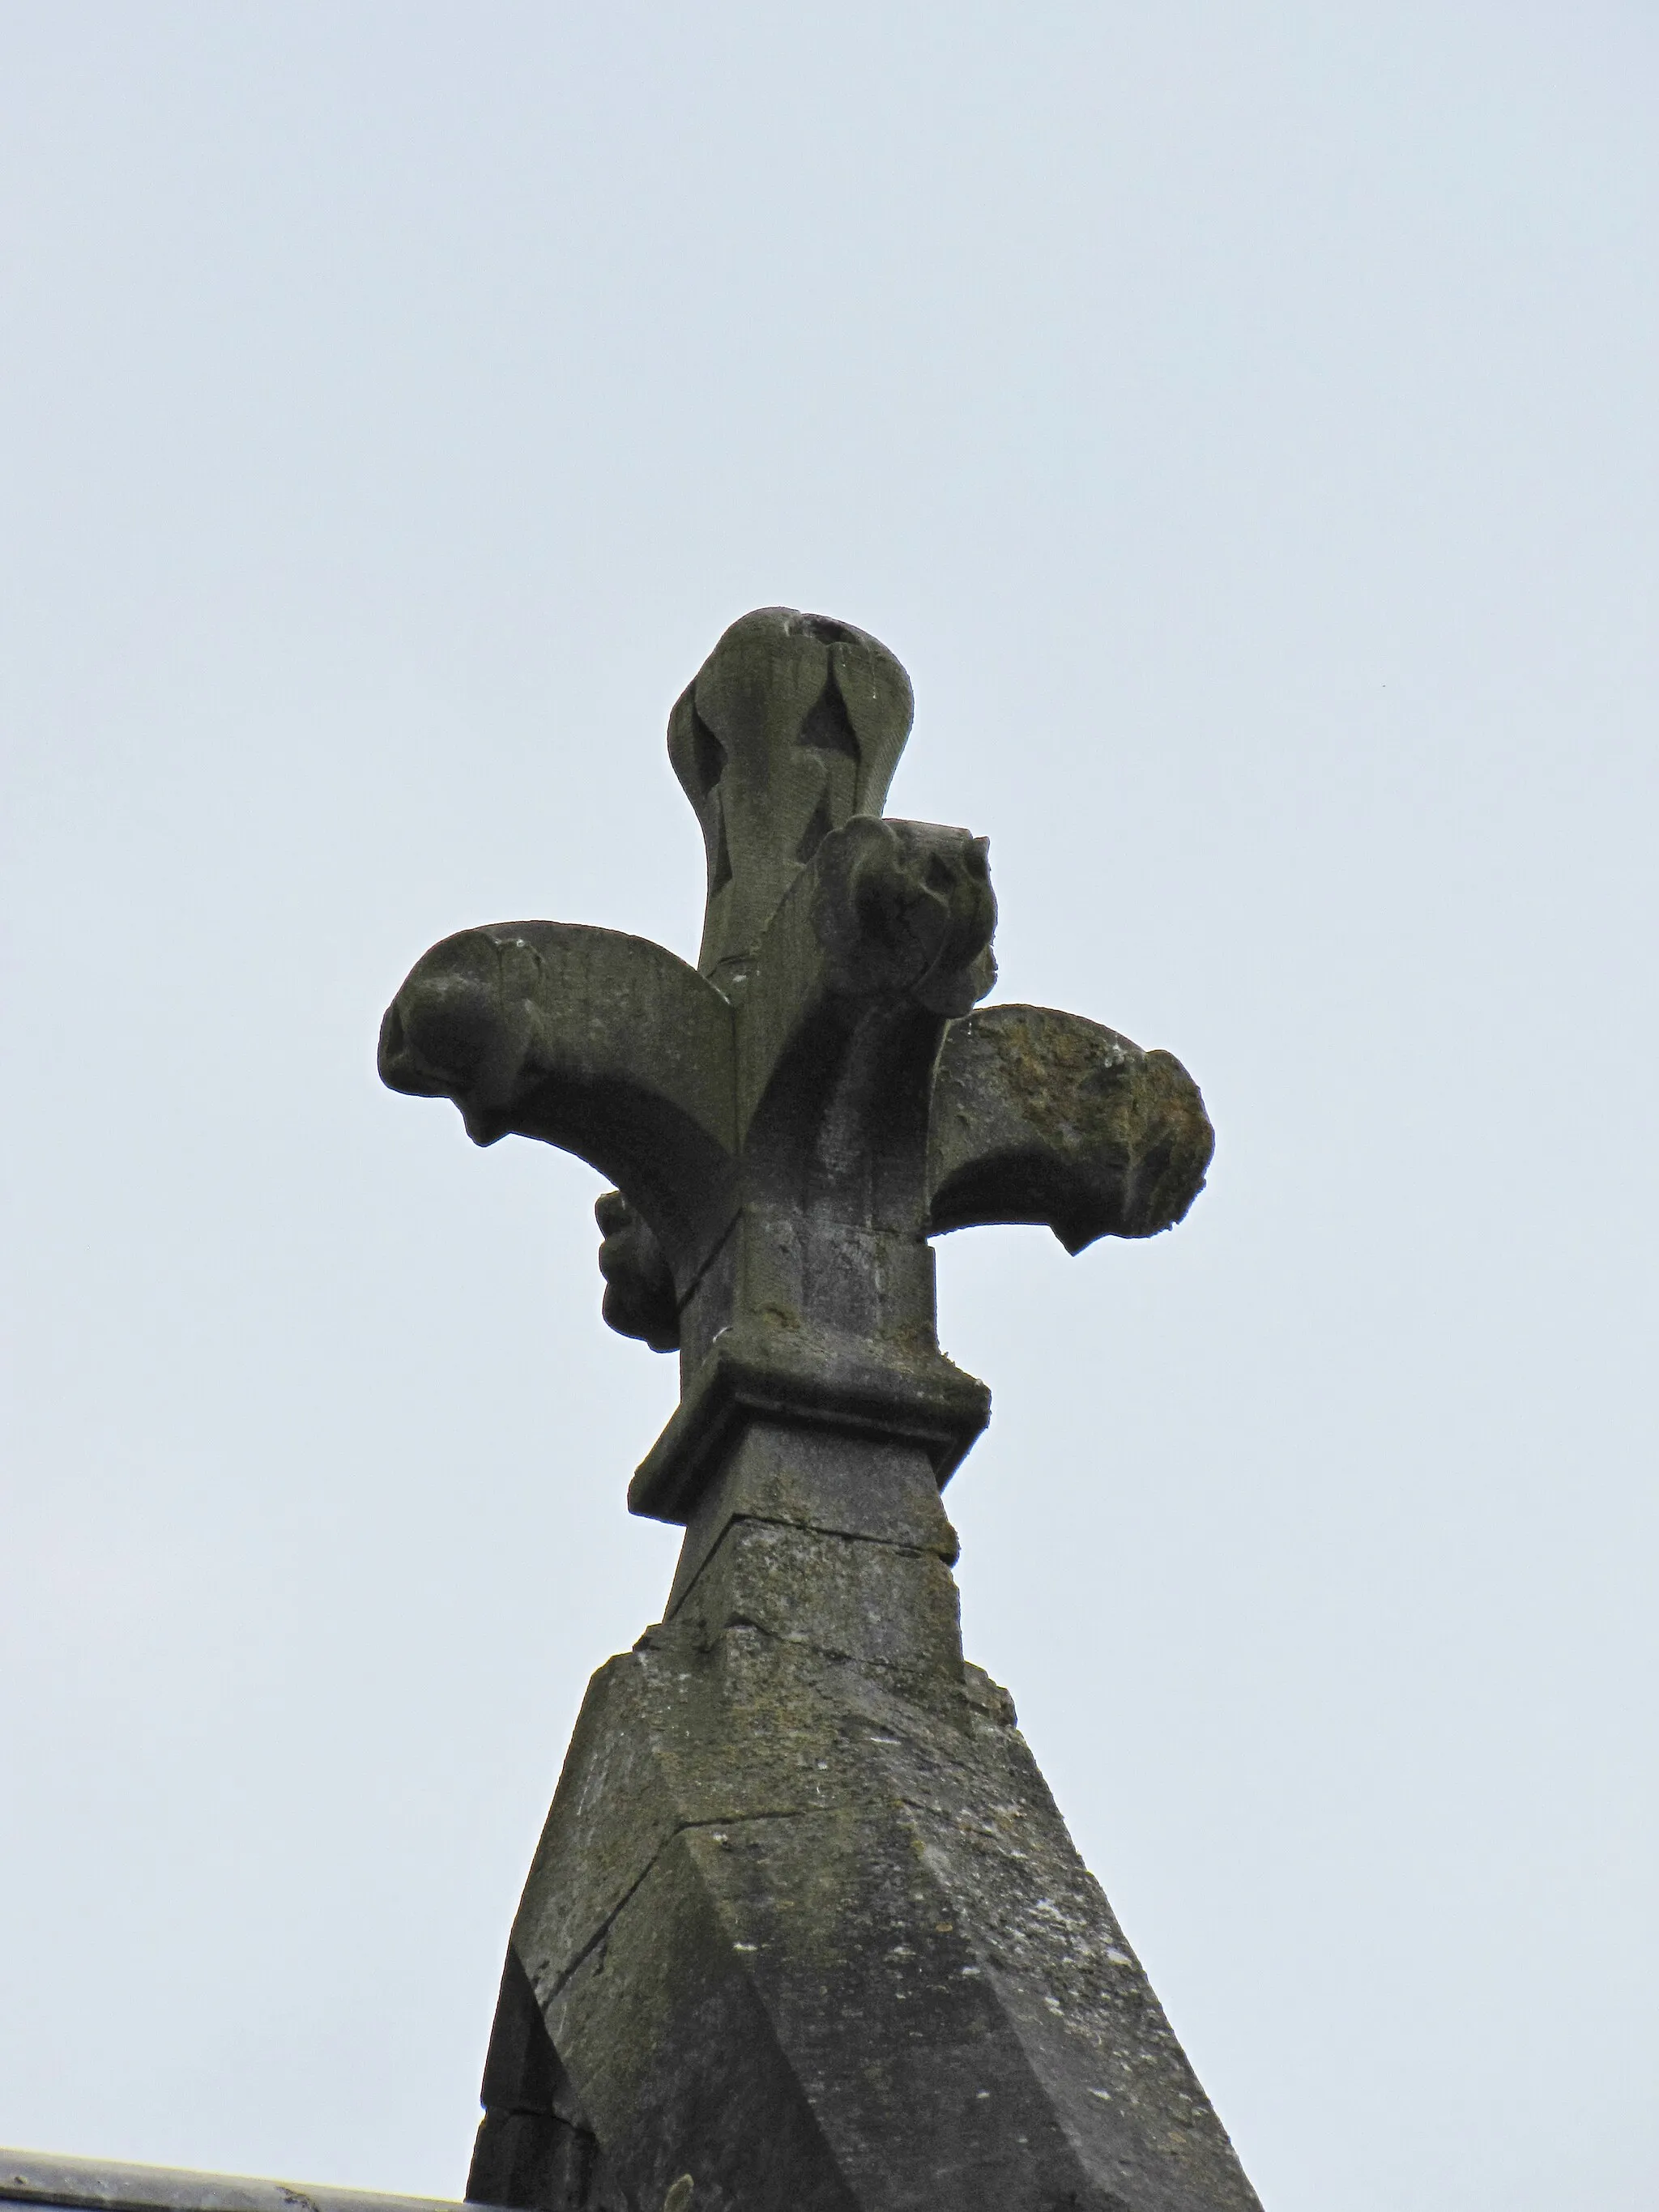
<point x="789" y="1122"/>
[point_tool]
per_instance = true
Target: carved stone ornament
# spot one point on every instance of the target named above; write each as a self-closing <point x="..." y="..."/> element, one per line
<point x="805" y="1930"/>
<point x="788" y="1124"/>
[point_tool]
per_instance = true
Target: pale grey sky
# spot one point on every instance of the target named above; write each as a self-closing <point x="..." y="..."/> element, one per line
<point x="1241" y="422"/>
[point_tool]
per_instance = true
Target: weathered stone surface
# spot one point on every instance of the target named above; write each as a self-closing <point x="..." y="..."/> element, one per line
<point x="787" y="1126"/>
<point x="1046" y="1118"/>
<point x="885" y="1491"/>
<point x="538" y="2146"/>
<point x="794" y="724"/>
<point x="804" y="1927"/>
<point x="805" y="1923"/>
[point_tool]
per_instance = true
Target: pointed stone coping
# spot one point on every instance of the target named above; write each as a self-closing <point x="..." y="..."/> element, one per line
<point x="97" y="2185"/>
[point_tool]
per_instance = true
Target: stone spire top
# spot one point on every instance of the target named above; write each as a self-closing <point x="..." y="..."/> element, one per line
<point x="804" y="1932"/>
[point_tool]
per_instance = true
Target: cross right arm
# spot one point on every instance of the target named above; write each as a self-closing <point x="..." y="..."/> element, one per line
<point x="1045" y="1117"/>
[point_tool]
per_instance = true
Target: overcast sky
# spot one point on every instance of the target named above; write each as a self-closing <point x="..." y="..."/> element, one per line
<point x="1241" y="419"/>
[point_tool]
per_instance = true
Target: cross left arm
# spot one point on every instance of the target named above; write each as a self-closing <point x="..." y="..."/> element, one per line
<point x="601" y="1044"/>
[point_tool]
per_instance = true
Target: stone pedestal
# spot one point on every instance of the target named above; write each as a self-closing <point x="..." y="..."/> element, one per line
<point x="805" y="1925"/>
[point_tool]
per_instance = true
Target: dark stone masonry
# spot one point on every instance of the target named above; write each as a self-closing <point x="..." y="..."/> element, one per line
<point x="804" y="1932"/>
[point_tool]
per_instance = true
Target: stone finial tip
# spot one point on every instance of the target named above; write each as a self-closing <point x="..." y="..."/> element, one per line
<point x="794" y="724"/>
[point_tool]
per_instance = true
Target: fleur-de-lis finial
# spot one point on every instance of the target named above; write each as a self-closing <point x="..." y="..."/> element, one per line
<point x="804" y="1922"/>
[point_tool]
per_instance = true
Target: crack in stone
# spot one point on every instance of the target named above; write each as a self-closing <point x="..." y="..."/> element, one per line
<point x="680" y="1828"/>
